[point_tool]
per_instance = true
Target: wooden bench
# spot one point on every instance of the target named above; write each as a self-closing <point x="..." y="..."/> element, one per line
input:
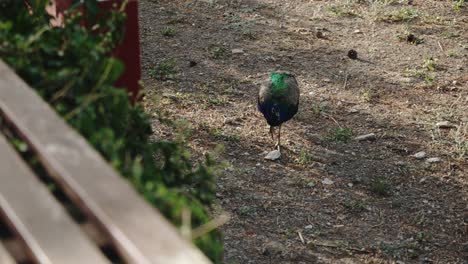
<point x="116" y="225"/>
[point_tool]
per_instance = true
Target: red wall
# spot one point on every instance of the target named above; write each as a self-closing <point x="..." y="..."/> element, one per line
<point x="129" y="50"/>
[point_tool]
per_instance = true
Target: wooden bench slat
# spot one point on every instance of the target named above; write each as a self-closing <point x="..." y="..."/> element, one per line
<point x="5" y="257"/>
<point x="41" y="221"/>
<point x="139" y="232"/>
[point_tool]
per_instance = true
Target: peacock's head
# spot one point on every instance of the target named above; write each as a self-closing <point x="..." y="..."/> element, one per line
<point x="277" y="78"/>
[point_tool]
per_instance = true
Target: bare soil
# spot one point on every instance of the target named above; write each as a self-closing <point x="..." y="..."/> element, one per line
<point x="330" y="198"/>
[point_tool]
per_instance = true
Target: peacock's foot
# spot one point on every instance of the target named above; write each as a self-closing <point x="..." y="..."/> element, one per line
<point x="277" y="146"/>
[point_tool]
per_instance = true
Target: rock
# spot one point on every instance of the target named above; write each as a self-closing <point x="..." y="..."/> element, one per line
<point x="434" y="160"/>
<point x="370" y="137"/>
<point x="273" y="155"/>
<point x="273" y="248"/>
<point x="445" y="124"/>
<point x="352" y="54"/>
<point x="357" y="31"/>
<point x="237" y="51"/>
<point x="319" y="34"/>
<point x="232" y="120"/>
<point x="350" y="185"/>
<point x="420" y="155"/>
<point x="400" y="163"/>
<point x="308" y="227"/>
<point x="406" y="80"/>
<point x="327" y="181"/>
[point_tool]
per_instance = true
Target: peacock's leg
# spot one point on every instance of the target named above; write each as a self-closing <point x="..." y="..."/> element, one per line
<point x="279" y="137"/>
<point x="278" y="143"/>
<point x="271" y="133"/>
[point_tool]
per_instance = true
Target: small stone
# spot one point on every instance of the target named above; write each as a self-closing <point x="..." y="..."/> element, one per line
<point x="406" y="80"/>
<point x="350" y="185"/>
<point x="308" y="227"/>
<point x="410" y="38"/>
<point x="434" y="160"/>
<point x="357" y="31"/>
<point x="400" y="163"/>
<point x="192" y="63"/>
<point x="237" y="51"/>
<point x="420" y="155"/>
<point x="352" y="54"/>
<point x="370" y="137"/>
<point x="273" y="155"/>
<point x="311" y="184"/>
<point x="445" y="124"/>
<point x="319" y="34"/>
<point x="327" y="181"/>
<point x="273" y="248"/>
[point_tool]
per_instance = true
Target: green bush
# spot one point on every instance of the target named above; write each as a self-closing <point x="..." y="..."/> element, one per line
<point x="70" y="67"/>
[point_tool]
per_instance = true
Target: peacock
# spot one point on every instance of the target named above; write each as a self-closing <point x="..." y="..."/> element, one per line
<point x="278" y="100"/>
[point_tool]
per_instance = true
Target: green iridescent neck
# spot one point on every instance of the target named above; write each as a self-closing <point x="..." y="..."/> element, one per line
<point x="277" y="81"/>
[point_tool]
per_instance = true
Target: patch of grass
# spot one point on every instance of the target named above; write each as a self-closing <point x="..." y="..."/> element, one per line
<point x="367" y="95"/>
<point x="429" y="80"/>
<point x="219" y="134"/>
<point x="242" y="27"/>
<point x="340" y="134"/>
<point x="381" y="186"/>
<point x="319" y="108"/>
<point x="410" y="38"/>
<point x="356" y="206"/>
<point x="168" y="32"/>
<point x="304" y="157"/>
<point x="248" y="33"/>
<point x="342" y="11"/>
<point x="414" y="73"/>
<point x="458" y="5"/>
<point x="424" y="73"/>
<point x="247" y="210"/>
<point x="449" y="34"/>
<point x="217" y="52"/>
<point x="460" y="141"/>
<point x="402" y="15"/>
<point x="452" y="54"/>
<point x="429" y="64"/>
<point x="216" y="100"/>
<point x="166" y="70"/>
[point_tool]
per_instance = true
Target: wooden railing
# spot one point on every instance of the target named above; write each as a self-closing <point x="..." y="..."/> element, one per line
<point x="114" y="225"/>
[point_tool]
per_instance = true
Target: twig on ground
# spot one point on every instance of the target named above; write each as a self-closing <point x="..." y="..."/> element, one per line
<point x="440" y="46"/>
<point x="300" y="236"/>
<point x="345" y="81"/>
<point x="359" y="250"/>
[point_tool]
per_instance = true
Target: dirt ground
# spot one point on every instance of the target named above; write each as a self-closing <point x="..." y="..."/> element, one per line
<point x="330" y="198"/>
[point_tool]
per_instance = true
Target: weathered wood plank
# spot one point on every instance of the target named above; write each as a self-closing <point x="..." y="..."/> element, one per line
<point x="5" y="257"/>
<point x="49" y="233"/>
<point x="139" y="232"/>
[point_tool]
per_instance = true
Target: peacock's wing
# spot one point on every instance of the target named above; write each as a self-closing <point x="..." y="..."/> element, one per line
<point x="293" y="93"/>
<point x="264" y="95"/>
